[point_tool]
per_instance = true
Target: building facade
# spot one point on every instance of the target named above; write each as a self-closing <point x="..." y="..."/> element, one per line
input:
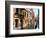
<point x="24" y="18"/>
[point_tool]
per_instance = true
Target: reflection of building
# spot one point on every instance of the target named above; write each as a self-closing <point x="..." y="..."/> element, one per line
<point x="24" y="18"/>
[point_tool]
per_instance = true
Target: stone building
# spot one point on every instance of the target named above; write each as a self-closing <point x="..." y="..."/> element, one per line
<point x="24" y="18"/>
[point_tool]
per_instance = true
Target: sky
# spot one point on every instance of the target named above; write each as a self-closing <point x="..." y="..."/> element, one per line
<point x="35" y="11"/>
